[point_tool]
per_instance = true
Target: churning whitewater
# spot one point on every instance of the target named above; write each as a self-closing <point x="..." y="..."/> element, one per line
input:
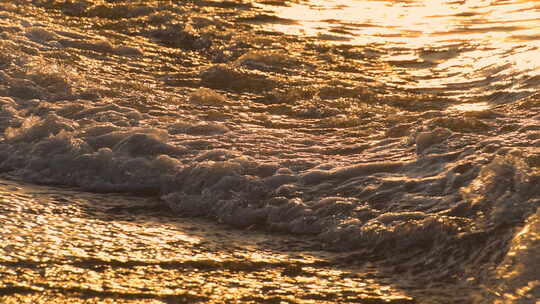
<point x="216" y="109"/>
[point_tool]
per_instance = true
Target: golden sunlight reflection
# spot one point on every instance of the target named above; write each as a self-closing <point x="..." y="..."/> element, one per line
<point x="440" y="44"/>
<point x="470" y="107"/>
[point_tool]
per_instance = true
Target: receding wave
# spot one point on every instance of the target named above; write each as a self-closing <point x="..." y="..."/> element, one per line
<point x="279" y="132"/>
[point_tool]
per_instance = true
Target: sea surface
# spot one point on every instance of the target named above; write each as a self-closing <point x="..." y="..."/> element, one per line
<point x="406" y="132"/>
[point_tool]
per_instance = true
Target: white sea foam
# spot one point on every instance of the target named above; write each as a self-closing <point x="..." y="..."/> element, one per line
<point x="219" y="128"/>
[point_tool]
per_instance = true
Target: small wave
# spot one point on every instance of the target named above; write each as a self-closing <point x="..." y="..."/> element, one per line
<point x="287" y="135"/>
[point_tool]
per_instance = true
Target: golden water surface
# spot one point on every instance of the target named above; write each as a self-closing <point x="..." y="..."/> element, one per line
<point x="433" y="45"/>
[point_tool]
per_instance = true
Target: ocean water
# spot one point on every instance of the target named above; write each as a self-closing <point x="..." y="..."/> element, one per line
<point x="402" y="131"/>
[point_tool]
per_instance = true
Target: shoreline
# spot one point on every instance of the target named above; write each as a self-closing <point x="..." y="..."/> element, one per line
<point x="421" y="196"/>
<point x="67" y="246"/>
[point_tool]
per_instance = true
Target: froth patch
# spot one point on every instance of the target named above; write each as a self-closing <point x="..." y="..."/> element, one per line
<point x="34" y="128"/>
<point x="207" y="97"/>
<point x="40" y="34"/>
<point x="141" y="144"/>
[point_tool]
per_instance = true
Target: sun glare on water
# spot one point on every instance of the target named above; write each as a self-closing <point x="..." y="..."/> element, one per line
<point x="444" y="44"/>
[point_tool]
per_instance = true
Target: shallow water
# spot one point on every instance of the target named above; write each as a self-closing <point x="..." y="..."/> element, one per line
<point x="64" y="246"/>
<point x="466" y="49"/>
<point x="409" y="138"/>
